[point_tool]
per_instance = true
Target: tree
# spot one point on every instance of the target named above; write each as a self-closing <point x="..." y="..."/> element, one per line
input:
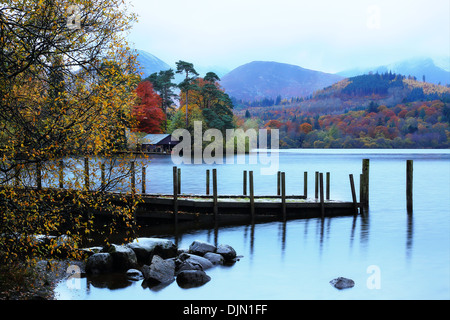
<point x="186" y="85"/>
<point x="162" y="83"/>
<point x="64" y="93"/>
<point x="147" y="112"/>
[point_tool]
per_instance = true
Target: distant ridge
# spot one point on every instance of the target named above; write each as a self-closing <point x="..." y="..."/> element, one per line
<point x="268" y="79"/>
<point x="417" y="67"/>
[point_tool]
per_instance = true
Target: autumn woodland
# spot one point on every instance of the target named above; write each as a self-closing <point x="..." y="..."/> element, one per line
<point x="71" y="91"/>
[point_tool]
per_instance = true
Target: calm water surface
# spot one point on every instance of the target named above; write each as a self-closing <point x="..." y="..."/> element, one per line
<point x="388" y="254"/>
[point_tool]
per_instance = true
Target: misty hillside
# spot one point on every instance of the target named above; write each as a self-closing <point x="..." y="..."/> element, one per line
<point x="150" y="64"/>
<point x="260" y="79"/>
<point x="418" y="68"/>
<point x="385" y="89"/>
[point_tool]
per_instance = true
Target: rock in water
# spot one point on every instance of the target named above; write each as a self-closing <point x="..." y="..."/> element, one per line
<point x="134" y="274"/>
<point x="123" y="257"/>
<point x="214" y="258"/>
<point x="342" y="283"/>
<point x="145" y="248"/>
<point x="160" y="270"/>
<point x="226" y="251"/>
<point x="99" y="263"/>
<point x="200" y="248"/>
<point x="192" y="278"/>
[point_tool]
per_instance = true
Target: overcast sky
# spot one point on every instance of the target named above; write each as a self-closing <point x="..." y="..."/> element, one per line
<point x="325" y="35"/>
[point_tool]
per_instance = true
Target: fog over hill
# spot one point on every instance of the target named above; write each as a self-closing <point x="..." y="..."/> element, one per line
<point x="435" y="70"/>
<point x="268" y="79"/>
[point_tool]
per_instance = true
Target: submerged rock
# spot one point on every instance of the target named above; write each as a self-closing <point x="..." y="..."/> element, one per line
<point x="192" y="278"/>
<point x="134" y="274"/>
<point x="342" y="283"/>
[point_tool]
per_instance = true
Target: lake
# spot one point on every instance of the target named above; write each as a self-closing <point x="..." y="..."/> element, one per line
<point x="388" y="253"/>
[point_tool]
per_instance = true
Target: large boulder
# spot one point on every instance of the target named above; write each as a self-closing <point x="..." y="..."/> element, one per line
<point x="159" y="271"/>
<point x="99" y="263"/>
<point x="192" y="278"/>
<point x="145" y="248"/>
<point x="342" y="283"/>
<point x="123" y="257"/>
<point x="226" y="251"/>
<point x="200" y="248"/>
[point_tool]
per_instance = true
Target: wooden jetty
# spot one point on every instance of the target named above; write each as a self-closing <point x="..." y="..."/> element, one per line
<point x="247" y="207"/>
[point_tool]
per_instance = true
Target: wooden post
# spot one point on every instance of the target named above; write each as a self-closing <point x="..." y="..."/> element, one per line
<point x="133" y="177"/>
<point x="215" y="209"/>
<point x="305" y="184"/>
<point x="102" y="175"/>
<point x="244" y="183"/>
<point x="317" y="185"/>
<point x="365" y="172"/>
<point x="175" y="195"/>
<point x="361" y="182"/>
<point x="278" y="182"/>
<point x="86" y="174"/>
<point x="283" y="195"/>
<point x="409" y="186"/>
<point x="352" y="186"/>
<point x="38" y="175"/>
<point x="322" y="204"/>
<point x="144" y="179"/>
<point x="328" y="187"/>
<point x="252" y="196"/>
<point x="61" y="173"/>
<point x="179" y="181"/>
<point x="207" y="182"/>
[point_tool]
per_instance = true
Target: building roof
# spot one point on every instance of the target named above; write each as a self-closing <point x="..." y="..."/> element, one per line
<point x="154" y="138"/>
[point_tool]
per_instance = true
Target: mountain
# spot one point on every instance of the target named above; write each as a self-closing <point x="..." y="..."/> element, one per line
<point x="150" y="64"/>
<point x="263" y="79"/>
<point x="417" y="67"/>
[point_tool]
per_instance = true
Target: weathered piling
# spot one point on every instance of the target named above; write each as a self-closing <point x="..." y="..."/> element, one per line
<point x="207" y="182"/>
<point x="179" y="180"/>
<point x="283" y="195"/>
<point x="144" y="179"/>
<point x="322" y="204"/>
<point x="252" y="196"/>
<point x="175" y="194"/>
<point x="244" y="183"/>
<point x="365" y="183"/>
<point x="133" y="177"/>
<point x="61" y="173"/>
<point x="278" y="183"/>
<point x="38" y="175"/>
<point x="86" y="174"/>
<point x="305" y="184"/>
<point x="352" y="187"/>
<point x="328" y="187"/>
<point x="409" y="186"/>
<point x="316" y="189"/>
<point x="215" y="208"/>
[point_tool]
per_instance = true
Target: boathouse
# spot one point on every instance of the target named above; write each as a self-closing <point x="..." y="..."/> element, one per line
<point x="158" y="143"/>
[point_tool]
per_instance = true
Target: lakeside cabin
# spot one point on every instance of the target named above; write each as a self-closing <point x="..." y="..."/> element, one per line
<point x="159" y="143"/>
